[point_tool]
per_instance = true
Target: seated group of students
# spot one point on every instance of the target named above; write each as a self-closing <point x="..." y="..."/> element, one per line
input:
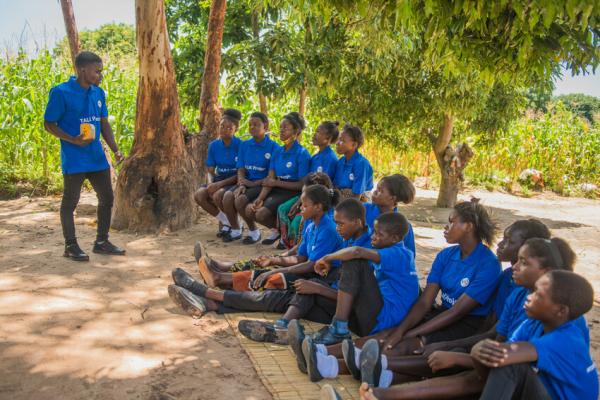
<point x="497" y="334"/>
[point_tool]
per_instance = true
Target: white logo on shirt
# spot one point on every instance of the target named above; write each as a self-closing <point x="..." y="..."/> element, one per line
<point x="267" y="155"/>
<point x="289" y="164"/>
<point x="99" y="104"/>
<point x="351" y="176"/>
<point x="464" y="282"/>
<point x="319" y="169"/>
<point x="313" y="247"/>
<point x="235" y="159"/>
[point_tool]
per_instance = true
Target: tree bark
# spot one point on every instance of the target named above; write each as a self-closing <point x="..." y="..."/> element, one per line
<point x="451" y="161"/>
<point x="262" y="100"/>
<point x="155" y="187"/>
<point x="210" y="113"/>
<point x="71" y="28"/>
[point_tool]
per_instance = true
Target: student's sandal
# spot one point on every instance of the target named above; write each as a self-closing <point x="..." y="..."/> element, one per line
<point x="309" y="351"/>
<point x="329" y="393"/>
<point x="370" y="363"/>
<point x="190" y="303"/>
<point x="350" y="358"/>
<point x="295" y="338"/>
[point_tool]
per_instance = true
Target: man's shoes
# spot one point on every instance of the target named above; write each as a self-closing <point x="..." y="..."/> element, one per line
<point x="329" y="393"/>
<point x="370" y="363"/>
<point x="273" y="237"/>
<point x="228" y="237"/>
<point x="187" y="281"/>
<point x="295" y="338"/>
<point x="74" y="252"/>
<point x="309" y="351"/>
<point x="327" y="337"/>
<point x="281" y="245"/>
<point x="199" y="251"/>
<point x="106" y="247"/>
<point x="248" y="240"/>
<point x="190" y="303"/>
<point x="350" y="358"/>
<point x="223" y="230"/>
<point x="261" y="331"/>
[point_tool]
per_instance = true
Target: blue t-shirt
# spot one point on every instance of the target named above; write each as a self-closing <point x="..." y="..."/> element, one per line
<point x="372" y="211"/>
<point x="564" y="364"/>
<point x="256" y="157"/>
<point x="355" y="173"/>
<point x="70" y="106"/>
<point x="363" y="240"/>
<point x="513" y="314"/>
<point x="223" y="158"/>
<point x="320" y="240"/>
<point x="476" y="276"/>
<point x="398" y="283"/>
<point x="505" y="288"/>
<point x="292" y="164"/>
<point x="324" y="161"/>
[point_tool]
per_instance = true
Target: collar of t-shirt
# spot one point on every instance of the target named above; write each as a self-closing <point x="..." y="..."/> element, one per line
<point x="471" y="258"/>
<point x="325" y="151"/>
<point x="294" y="149"/>
<point x="363" y="240"/>
<point x="352" y="159"/>
<point x="263" y="143"/>
<point x="75" y="86"/>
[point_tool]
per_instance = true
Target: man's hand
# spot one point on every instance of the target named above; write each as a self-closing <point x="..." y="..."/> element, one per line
<point x="244" y="182"/>
<point x="261" y="280"/>
<point x="239" y="190"/>
<point x="304" y="286"/>
<point x="269" y="182"/>
<point x="212" y="188"/>
<point x="80" y="141"/>
<point x="295" y="209"/>
<point x="263" y="261"/>
<point x="392" y="340"/>
<point x="439" y="360"/>
<point x="428" y="349"/>
<point x="258" y="203"/>
<point x="322" y="267"/>
<point x="489" y="352"/>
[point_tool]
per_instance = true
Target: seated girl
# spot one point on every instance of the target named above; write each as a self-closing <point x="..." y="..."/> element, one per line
<point x="353" y="172"/>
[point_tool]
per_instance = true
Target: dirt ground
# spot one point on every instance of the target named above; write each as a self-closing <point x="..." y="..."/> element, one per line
<point x="107" y="330"/>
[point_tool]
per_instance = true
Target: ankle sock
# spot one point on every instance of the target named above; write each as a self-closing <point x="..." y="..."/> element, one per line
<point x="273" y="234"/>
<point x="255" y="234"/>
<point x="338" y="327"/>
<point x="281" y="323"/>
<point x="321" y="348"/>
<point x="235" y="232"/>
<point x="384" y="360"/>
<point x="385" y="379"/>
<point x="223" y="218"/>
<point x="327" y="365"/>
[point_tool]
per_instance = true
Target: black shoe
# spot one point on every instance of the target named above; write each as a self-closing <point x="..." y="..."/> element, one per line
<point x="269" y="241"/>
<point x="310" y="355"/>
<point x="107" y="247"/>
<point x="249" y="240"/>
<point x="327" y="337"/>
<point x="350" y="358"/>
<point x="261" y="331"/>
<point x="187" y="281"/>
<point x="281" y="246"/>
<point x="228" y="237"/>
<point x="190" y="303"/>
<point x="295" y="338"/>
<point x="223" y="230"/>
<point x="74" y="252"/>
<point x="329" y="393"/>
<point x="199" y="251"/>
<point x="370" y="363"/>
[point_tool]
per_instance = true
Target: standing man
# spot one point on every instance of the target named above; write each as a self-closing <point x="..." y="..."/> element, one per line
<point x="76" y="114"/>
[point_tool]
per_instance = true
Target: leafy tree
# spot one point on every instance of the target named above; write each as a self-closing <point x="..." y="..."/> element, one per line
<point x="116" y="39"/>
<point x="582" y="105"/>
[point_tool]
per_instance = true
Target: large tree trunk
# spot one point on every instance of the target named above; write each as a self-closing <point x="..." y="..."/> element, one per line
<point x="210" y="113"/>
<point x="451" y="161"/>
<point x="71" y="28"/>
<point x="155" y="186"/>
<point x="262" y="100"/>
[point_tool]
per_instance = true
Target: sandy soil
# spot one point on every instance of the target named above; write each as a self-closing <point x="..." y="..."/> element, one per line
<point x="107" y="330"/>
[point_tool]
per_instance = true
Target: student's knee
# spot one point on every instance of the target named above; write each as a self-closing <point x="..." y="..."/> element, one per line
<point x="217" y="197"/>
<point x="240" y="203"/>
<point x="263" y="215"/>
<point x="249" y="211"/>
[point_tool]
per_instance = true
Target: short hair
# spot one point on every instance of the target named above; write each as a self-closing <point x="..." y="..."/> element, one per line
<point x="355" y="133"/>
<point x="232" y="115"/>
<point x="318" y="178"/>
<point x="552" y="253"/>
<point x="320" y="194"/>
<point x="400" y="187"/>
<point x="296" y="120"/>
<point x="475" y="213"/>
<point x="86" y="58"/>
<point x="531" y="228"/>
<point x="331" y="128"/>
<point x="572" y="290"/>
<point x="261" y="116"/>
<point x="393" y="223"/>
<point x="352" y="209"/>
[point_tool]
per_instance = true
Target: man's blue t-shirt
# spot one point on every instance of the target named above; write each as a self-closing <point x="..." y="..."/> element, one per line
<point x="223" y="158"/>
<point x="372" y="211"/>
<point x="355" y="173"/>
<point x="513" y="314"/>
<point x="320" y="240"/>
<point x="256" y="157"/>
<point x="70" y="106"/>
<point x="363" y="240"/>
<point x="505" y="288"/>
<point x="324" y="161"/>
<point x="398" y="283"/>
<point x="476" y="276"/>
<point x="292" y="164"/>
<point x="564" y="364"/>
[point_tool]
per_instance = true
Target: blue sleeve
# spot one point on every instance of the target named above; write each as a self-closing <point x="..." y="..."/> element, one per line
<point x="327" y="242"/>
<point x="104" y="109"/>
<point x="361" y="178"/>
<point x="521" y="334"/>
<point x="483" y="287"/>
<point x="303" y="164"/>
<point x="273" y="159"/>
<point x="503" y="324"/>
<point x="56" y="106"/>
<point x="437" y="268"/>
<point x="211" y="159"/>
<point x="389" y="258"/>
<point x="303" y="247"/>
<point x="409" y="240"/>
<point x="552" y="357"/>
<point x="240" y="159"/>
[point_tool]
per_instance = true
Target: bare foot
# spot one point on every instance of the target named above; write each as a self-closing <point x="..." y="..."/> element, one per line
<point x="366" y="393"/>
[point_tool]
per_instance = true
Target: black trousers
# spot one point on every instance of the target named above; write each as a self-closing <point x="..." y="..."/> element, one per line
<point x="358" y="279"/>
<point x="100" y="181"/>
<point x="516" y="381"/>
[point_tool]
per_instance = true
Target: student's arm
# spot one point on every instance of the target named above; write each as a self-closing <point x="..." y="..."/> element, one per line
<point x="264" y="192"/>
<point x="282" y="260"/>
<point x="440" y="360"/>
<point x="467" y="342"/>
<point x="214" y="186"/>
<point x="302" y="268"/>
<point x="109" y="138"/>
<point x="462" y="307"/>
<point x="288" y="185"/>
<point x="55" y="130"/>
<point x="493" y="354"/>
<point x="304" y="286"/>
<point x="414" y="316"/>
<point x="323" y="265"/>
